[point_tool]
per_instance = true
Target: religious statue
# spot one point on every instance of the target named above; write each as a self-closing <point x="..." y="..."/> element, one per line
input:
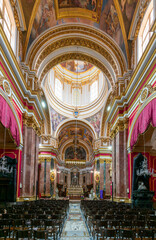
<point x="92" y="194"/>
<point x="56" y="193"/>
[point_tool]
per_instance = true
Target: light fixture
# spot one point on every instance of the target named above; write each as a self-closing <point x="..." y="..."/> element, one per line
<point x="110" y="147"/>
<point x="40" y="144"/>
<point x="108" y="108"/>
<point x="43" y="104"/>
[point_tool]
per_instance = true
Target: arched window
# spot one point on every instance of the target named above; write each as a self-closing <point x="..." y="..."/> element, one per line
<point x="94" y="91"/>
<point x="144" y="33"/>
<point x="76" y="97"/>
<point x="8" y="22"/>
<point x="58" y="88"/>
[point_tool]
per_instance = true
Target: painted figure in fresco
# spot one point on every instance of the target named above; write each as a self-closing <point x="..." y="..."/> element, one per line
<point x="127" y="8"/>
<point x="56" y="119"/>
<point x="75" y="153"/>
<point x="91" y="5"/>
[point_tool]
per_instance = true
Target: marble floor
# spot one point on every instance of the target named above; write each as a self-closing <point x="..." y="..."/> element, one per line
<point x="75" y="227"/>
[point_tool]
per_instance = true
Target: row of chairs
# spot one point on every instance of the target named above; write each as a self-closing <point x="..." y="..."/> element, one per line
<point x="46" y="220"/>
<point x="118" y="220"/>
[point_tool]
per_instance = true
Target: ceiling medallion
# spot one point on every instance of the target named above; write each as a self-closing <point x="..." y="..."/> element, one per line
<point x="76" y="112"/>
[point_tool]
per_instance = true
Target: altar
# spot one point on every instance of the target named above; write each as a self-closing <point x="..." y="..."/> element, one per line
<point x="75" y="191"/>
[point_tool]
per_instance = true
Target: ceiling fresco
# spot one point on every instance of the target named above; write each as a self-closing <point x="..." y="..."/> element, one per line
<point x="73" y="132"/>
<point x="127" y="9"/>
<point x="46" y="17"/>
<point x="75" y="153"/>
<point x="95" y="121"/>
<point x="56" y="119"/>
<point x="76" y="66"/>
<point x="89" y="4"/>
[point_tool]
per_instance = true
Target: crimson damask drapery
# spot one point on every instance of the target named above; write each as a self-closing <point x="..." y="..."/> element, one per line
<point x="8" y="120"/>
<point x="147" y="116"/>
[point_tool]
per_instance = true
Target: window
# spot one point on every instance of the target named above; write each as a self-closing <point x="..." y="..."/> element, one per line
<point x="76" y="97"/>
<point x="94" y="91"/>
<point x="58" y="88"/>
<point x="146" y="32"/>
<point x="8" y="22"/>
<point x="1" y="5"/>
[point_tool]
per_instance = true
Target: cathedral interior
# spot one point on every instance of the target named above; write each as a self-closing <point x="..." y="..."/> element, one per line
<point x="77" y="114"/>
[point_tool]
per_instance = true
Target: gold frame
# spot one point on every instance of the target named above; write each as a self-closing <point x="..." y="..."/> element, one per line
<point x="78" y="12"/>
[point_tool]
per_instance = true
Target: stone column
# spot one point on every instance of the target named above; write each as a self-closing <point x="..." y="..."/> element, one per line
<point x="101" y="174"/>
<point x="126" y="180"/>
<point x="29" y="162"/>
<point x="108" y="164"/>
<point x="114" y="163"/>
<point x="69" y="180"/>
<point x="55" y="181"/>
<point x="48" y="177"/>
<point x="120" y="164"/>
<point x="41" y="179"/>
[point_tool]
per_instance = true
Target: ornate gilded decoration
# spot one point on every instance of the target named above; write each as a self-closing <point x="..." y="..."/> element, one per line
<point x="52" y="176"/>
<point x="76" y="112"/>
<point x="77" y="56"/>
<point x="73" y="29"/>
<point x="31" y="122"/>
<point x="7" y="88"/>
<point x="145" y="93"/>
<point x="142" y="9"/>
<point x="97" y="177"/>
<point x="16" y="17"/>
<point x="69" y="11"/>
<point x="76" y="42"/>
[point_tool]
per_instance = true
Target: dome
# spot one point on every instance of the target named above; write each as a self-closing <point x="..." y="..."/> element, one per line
<point x="75" y="84"/>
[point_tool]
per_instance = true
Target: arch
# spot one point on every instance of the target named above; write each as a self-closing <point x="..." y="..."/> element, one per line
<point x="75" y="35"/>
<point x="82" y="122"/>
<point x="145" y="115"/>
<point x="12" y="116"/>
<point x="81" y="143"/>
<point x="71" y="54"/>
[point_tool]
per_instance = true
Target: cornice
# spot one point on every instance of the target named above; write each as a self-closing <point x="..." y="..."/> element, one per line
<point x="80" y="30"/>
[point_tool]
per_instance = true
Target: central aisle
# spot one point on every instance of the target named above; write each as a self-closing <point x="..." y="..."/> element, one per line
<point x="75" y="227"/>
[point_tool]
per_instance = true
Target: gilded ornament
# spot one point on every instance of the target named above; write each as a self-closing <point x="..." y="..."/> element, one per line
<point x="7" y="88"/>
<point x="77" y="30"/>
<point x="76" y="56"/>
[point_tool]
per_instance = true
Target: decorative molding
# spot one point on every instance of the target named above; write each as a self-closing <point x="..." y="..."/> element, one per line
<point x="76" y="56"/>
<point x="73" y="41"/>
<point x="79" y="12"/>
<point x="147" y="90"/>
<point x="142" y="9"/>
<point x="42" y="159"/>
<point x="29" y="121"/>
<point x="78" y="29"/>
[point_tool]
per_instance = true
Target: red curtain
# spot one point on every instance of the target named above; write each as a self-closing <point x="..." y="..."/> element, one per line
<point x="8" y="120"/>
<point x="147" y="116"/>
